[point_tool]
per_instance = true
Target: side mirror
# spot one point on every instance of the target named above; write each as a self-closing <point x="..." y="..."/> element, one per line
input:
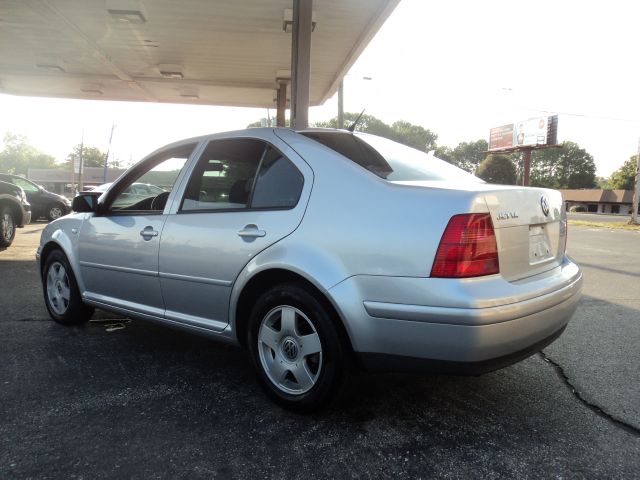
<point x="85" y="202"/>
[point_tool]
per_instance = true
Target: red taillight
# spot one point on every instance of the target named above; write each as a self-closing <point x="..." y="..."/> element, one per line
<point x="467" y="248"/>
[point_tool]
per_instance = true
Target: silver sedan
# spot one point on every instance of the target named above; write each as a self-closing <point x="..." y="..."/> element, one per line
<point x="316" y="250"/>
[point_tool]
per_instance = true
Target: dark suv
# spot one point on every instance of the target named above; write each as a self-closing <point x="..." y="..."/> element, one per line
<point x="43" y="203"/>
<point x="15" y="211"/>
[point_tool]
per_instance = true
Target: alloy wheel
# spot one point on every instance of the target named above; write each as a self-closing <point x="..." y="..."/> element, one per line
<point x="58" y="288"/>
<point x="55" y="213"/>
<point x="290" y="350"/>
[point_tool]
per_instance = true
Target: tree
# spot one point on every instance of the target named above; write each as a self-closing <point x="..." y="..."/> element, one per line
<point x="624" y="178"/>
<point x="602" y="182"/>
<point x="367" y="123"/>
<point x="400" y="131"/>
<point x="264" y="122"/>
<point x="497" y="169"/>
<point x="444" y="153"/>
<point x="468" y="155"/>
<point x="92" y="157"/>
<point x="567" y="167"/>
<point x="414" y="136"/>
<point x="18" y="156"/>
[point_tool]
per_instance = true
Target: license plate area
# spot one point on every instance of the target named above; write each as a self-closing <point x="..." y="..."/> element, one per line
<point x="539" y="245"/>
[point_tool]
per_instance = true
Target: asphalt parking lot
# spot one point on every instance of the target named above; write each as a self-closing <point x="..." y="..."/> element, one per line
<point x="126" y="399"/>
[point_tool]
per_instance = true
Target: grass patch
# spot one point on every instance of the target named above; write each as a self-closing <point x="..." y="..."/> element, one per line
<point x="615" y="226"/>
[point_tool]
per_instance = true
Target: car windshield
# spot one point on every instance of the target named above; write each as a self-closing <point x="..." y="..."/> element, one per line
<point x="391" y="160"/>
<point x="101" y="188"/>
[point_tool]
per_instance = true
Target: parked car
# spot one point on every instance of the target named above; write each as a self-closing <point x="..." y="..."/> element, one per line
<point x="15" y="212"/>
<point x="135" y="192"/>
<point x="43" y="203"/>
<point x="316" y="248"/>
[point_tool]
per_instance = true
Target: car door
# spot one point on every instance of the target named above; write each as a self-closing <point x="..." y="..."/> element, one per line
<point x="118" y="247"/>
<point x="242" y="196"/>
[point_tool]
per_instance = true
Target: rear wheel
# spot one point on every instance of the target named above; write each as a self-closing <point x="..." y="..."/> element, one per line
<point x="296" y="348"/>
<point x="61" y="294"/>
<point x="7" y="226"/>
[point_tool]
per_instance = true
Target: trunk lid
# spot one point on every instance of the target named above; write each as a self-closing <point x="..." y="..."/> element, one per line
<point x="529" y="224"/>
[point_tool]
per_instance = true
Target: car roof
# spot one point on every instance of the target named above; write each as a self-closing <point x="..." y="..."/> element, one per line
<point x="13" y="187"/>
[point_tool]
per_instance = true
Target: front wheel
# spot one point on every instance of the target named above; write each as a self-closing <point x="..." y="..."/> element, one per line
<point x="7" y="226"/>
<point x="61" y="294"/>
<point x="55" y="211"/>
<point x="296" y="348"/>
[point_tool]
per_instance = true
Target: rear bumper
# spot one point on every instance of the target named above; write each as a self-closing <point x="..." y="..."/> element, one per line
<point x="381" y="362"/>
<point x="520" y="319"/>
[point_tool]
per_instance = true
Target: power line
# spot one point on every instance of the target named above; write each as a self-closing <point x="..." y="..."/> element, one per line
<point x="583" y="115"/>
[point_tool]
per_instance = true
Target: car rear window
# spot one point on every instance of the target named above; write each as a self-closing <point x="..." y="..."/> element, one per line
<point x="388" y="159"/>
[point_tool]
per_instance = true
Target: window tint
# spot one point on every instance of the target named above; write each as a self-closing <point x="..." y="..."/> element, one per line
<point x="390" y="160"/>
<point x="279" y="182"/>
<point x="224" y="175"/>
<point x="149" y="189"/>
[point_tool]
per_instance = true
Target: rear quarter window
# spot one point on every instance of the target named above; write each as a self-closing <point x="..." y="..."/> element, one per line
<point x="390" y="160"/>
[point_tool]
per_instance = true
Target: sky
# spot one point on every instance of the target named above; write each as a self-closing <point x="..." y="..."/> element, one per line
<point x="455" y="67"/>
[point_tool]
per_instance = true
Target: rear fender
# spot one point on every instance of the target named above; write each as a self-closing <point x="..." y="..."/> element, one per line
<point x="313" y="265"/>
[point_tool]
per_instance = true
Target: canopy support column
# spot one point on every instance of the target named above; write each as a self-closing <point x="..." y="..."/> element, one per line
<point x="341" y="104"/>
<point x="300" y="62"/>
<point x="281" y="103"/>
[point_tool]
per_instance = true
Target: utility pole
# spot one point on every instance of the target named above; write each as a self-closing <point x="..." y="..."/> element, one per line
<point x="80" y="182"/>
<point x="106" y="157"/>
<point x="636" y="191"/>
<point x="526" y="167"/>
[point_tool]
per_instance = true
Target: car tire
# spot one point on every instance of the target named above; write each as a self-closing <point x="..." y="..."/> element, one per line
<point x="7" y="226"/>
<point x="296" y="348"/>
<point x="61" y="295"/>
<point x="55" y="211"/>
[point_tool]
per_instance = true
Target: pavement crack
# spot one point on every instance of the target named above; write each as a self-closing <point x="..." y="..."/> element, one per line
<point x="591" y="406"/>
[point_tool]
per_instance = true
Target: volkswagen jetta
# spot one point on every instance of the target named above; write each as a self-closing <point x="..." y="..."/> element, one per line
<point x="317" y="248"/>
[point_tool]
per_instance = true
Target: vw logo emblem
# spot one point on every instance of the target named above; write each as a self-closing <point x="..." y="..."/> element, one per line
<point x="544" y="204"/>
<point x="290" y="349"/>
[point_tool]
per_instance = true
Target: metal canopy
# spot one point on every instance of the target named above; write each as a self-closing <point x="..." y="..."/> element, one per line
<point x="212" y="52"/>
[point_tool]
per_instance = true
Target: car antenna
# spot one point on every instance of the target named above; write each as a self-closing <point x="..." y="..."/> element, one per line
<point x="353" y="126"/>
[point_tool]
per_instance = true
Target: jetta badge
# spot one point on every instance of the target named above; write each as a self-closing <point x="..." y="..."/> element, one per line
<point x="544" y="204"/>
<point x="506" y="215"/>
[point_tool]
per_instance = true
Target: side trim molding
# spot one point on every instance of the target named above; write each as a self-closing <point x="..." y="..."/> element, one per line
<point x="189" y="278"/>
<point x="115" y="268"/>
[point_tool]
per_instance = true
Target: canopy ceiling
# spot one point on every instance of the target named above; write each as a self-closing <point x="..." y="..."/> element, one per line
<point x="227" y="52"/>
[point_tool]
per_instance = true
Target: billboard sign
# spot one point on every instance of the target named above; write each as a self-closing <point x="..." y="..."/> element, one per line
<point x="501" y="137"/>
<point x="526" y="133"/>
<point x="531" y="132"/>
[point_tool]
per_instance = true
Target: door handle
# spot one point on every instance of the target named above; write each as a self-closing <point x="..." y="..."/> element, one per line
<point x="251" y="231"/>
<point x="148" y="233"/>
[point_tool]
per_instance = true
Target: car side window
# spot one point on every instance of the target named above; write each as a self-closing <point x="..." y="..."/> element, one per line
<point x="279" y="182"/>
<point x="147" y="189"/>
<point x="224" y="175"/>
<point x="26" y="186"/>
